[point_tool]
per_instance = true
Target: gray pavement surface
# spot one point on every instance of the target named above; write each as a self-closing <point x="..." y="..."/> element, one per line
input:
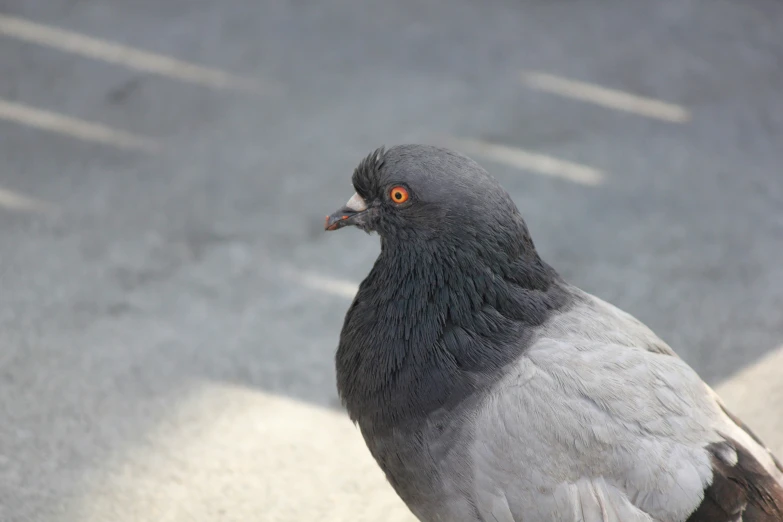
<point x="169" y="317"/>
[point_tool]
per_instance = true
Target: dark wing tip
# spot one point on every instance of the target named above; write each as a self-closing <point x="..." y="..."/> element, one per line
<point x="742" y="491"/>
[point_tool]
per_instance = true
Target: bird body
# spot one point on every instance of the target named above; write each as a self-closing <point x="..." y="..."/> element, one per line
<point x="487" y="388"/>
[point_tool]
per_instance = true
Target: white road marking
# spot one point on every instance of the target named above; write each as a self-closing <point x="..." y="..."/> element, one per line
<point x="16" y="201"/>
<point x="74" y="127"/>
<point x="532" y="161"/>
<point x="611" y="98"/>
<point x="123" y="55"/>
<point x="322" y="283"/>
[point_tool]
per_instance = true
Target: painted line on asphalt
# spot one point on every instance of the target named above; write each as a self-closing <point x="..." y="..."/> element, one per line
<point x="123" y="55"/>
<point x="321" y="282"/>
<point x="73" y="127"/>
<point x="610" y="98"/>
<point x="530" y="161"/>
<point x="12" y="200"/>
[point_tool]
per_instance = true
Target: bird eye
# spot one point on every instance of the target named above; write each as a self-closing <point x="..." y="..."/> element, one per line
<point x="399" y="194"/>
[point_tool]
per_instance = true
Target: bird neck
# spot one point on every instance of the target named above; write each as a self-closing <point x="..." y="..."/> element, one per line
<point x="432" y="321"/>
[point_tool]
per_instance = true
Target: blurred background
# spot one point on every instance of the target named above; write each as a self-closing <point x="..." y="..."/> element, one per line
<point x="171" y="306"/>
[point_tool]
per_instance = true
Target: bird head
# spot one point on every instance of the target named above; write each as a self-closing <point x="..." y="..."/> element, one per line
<point x="422" y="194"/>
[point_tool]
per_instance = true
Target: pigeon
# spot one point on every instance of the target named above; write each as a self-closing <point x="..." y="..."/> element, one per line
<point x="488" y="388"/>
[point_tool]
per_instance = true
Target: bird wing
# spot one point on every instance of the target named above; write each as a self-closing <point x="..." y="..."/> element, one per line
<point x="585" y="428"/>
<point x="743" y="487"/>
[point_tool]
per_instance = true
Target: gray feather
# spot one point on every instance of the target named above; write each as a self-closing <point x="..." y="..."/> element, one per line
<point x="488" y="389"/>
<point x="597" y="421"/>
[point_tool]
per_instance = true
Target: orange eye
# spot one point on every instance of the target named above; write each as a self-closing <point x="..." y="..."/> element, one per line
<point x="399" y="194"/>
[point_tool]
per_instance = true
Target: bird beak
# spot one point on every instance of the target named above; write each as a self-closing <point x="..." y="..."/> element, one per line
<point x="350" y="214"/>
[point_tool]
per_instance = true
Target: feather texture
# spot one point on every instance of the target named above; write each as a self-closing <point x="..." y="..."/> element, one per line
<point x="489" y="389"/>
<point x="741" y="490"/>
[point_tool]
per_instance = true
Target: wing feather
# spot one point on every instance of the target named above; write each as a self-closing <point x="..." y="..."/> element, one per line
<point x="742" y="489"/>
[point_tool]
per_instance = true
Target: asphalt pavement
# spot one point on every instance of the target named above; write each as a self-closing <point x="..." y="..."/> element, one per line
<point x="171" y="306"/>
